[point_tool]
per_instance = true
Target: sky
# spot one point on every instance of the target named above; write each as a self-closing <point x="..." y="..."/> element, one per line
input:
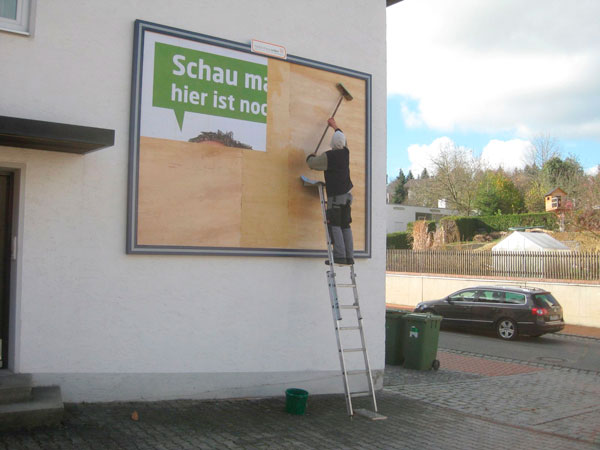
<point x="491" y="76"/>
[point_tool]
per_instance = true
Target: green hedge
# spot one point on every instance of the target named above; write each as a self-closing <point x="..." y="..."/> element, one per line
<point x="470" y="226"/>
<point x="401" y="240"/>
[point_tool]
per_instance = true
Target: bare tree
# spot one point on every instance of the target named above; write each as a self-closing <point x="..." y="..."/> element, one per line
<point x="585" y="213"/>
<point x="420" y="193"/>
<point x="543" y="148"/>
<point x="456" y="177"/>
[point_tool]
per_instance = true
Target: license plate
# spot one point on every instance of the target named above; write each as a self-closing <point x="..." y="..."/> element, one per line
<point x="555" y="317"/>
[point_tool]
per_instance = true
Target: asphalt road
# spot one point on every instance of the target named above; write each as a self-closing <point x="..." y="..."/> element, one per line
<point x="555" y="349"/>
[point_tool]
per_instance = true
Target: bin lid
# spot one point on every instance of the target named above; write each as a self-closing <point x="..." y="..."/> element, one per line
<point x="396" y="312"/>
<point x="422" y="317"/>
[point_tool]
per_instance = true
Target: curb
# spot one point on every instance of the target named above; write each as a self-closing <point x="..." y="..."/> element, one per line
<point x="583" y="336"/>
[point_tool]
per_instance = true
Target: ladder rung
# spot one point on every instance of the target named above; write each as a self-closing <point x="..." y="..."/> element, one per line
<point x="349" y="328"/>
<point x="346" y="285"/>
<point x="357" y="372"/>
<point x="348" y="306"/>
<point x="349" y="350"/>
<point x="360" y="394"/>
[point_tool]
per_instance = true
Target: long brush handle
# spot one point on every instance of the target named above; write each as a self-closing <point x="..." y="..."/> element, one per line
<point x="325" y="131"/>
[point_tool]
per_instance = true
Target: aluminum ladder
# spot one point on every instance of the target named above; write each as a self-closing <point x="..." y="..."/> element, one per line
<point x="342" y="332"/>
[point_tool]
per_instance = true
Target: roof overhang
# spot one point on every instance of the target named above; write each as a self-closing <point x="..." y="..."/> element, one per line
<point x="392" y="2"/>
<point x="53" y="136"/>
<point x="553" y="191"/>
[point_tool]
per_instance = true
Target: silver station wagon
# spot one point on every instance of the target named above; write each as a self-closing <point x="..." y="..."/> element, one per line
<point x="510" y="311"/>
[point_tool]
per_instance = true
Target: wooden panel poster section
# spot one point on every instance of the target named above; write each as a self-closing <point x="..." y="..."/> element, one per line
<point x="219" y="142"/>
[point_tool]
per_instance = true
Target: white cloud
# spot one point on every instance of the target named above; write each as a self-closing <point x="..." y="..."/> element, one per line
<point x="421" y="156"/>
<point x="592" y="171"/>
<point x="509" y="155"/>
<point x="411" y="118"/>
<point x="496" y="65"/>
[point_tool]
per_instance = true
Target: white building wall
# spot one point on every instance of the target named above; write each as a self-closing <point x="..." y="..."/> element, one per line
<point x="110" y="326"/>
<point x="399" y="216"/>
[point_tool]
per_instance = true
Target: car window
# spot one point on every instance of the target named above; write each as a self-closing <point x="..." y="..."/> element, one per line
<point x="464" y="296"/>
<point x="514" y="298"/>
<point x="486" y="296"/>
<point x="545" y="300"/>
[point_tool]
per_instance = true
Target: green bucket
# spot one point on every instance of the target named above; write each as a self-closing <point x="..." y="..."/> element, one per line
<point x="295" y="401"/>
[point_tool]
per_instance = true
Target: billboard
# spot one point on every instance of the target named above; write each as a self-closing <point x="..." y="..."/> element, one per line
<point x="218" y="141"/>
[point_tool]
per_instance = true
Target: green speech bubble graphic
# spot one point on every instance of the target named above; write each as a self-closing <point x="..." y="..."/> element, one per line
<point x="205" y="83"/>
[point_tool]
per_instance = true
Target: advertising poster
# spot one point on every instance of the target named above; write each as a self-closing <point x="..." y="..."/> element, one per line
<point x="219" y="138"/>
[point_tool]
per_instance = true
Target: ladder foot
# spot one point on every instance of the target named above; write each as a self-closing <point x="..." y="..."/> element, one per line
<point x="373" y="415"/>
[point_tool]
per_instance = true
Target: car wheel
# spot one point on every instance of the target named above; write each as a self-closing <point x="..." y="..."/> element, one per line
<point x="506" y="329"/>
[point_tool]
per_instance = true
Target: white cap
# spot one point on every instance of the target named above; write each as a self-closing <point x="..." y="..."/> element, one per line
<point x="338" y="140"/>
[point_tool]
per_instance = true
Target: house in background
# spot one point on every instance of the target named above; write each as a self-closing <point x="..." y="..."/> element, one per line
<point x="555" y="200"/>
<point x="398" y="216"/>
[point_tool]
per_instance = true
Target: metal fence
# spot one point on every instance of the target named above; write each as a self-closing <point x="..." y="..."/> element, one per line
<point x="543" y="265"/>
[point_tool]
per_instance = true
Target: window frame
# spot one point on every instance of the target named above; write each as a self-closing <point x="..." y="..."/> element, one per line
<point x="23" y="24"/>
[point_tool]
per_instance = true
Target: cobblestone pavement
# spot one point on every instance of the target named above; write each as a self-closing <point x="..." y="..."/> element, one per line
<point x="476" y="402"/>
<point x="546" y="399"/>
<point x="263" y="424"/>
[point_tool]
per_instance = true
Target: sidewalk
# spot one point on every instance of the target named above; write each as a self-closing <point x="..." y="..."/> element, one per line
<point x="578" y="330"/>
<point x="574" y="330"/>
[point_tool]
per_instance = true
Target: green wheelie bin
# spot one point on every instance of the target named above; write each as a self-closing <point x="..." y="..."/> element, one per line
<point x="420" y="341"/>
<point x="394" y="329"/>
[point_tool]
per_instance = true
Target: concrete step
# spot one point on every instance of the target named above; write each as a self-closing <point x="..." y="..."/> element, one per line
<point x="14" y="387"/>
<point x="45" y="408"/>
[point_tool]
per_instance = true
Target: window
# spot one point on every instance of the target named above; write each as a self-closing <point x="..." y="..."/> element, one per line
<point x="556" y="202"/>
<point x="544" y="300"/>
<point x="516" y="299"/>
<point x="491" y="297"/>
<point x="465" y="296"/>
<point x="502" y="297"/>
<point x="15" y="15"/>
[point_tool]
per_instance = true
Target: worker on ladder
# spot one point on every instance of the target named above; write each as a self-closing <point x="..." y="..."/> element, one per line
<point x="336" y="165"/>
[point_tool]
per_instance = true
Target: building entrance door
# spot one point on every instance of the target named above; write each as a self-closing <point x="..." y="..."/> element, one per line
<point x="6" y="189"/>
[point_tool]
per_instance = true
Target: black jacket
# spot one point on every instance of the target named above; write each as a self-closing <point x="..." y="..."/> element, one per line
<point x="337" y="175"/>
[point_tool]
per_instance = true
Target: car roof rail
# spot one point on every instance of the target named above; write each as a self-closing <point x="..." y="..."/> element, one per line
<point x="524" y="288"/>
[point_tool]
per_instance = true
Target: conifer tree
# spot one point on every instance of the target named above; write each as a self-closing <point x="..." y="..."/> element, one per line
<point x="399" y="191"/>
